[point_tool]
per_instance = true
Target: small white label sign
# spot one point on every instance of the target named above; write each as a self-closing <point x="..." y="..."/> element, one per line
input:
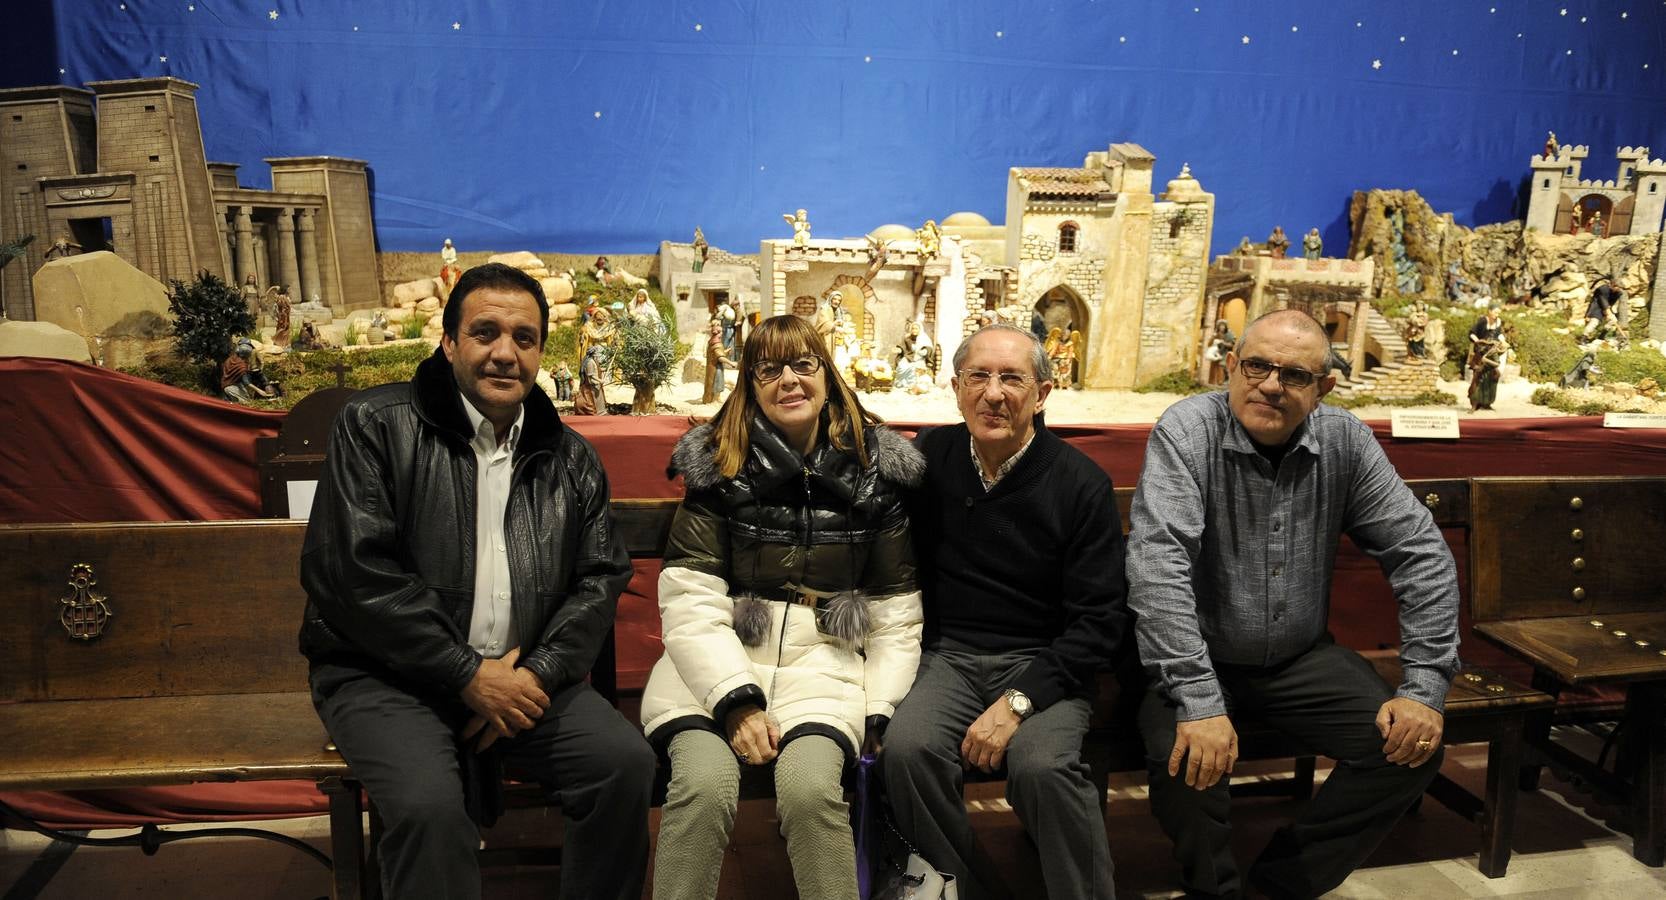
<point x="1425" y="423"/>
<point x="300" y="498"/>
<point x="1633" y="420"/>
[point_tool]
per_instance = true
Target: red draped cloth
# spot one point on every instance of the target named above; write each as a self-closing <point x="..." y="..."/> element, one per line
<point x="82" y="444"/>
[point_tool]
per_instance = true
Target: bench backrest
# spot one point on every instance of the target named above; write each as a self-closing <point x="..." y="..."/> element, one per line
<point x="213" y="607"/>
<point x="1566" y="546"/>
<point x="193" y="608"/>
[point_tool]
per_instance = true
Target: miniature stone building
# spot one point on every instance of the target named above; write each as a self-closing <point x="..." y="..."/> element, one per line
<point x="1632" y="203"/>
<point x="131" y="177"/>
<point x="1089" y="247"/>
<point x="698" y="295"/>
<point x="1334" y="291"/>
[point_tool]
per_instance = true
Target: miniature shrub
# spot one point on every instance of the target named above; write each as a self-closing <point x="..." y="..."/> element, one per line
<point x="562" y="347"/>
<point x="411" y="328"/>
<point x="1427" y="398"/>
<point x="1180" y="381"/>
<point x="207" y="313"/>
<point x="1630" y="366"/>
<point x="1542" y="354"/>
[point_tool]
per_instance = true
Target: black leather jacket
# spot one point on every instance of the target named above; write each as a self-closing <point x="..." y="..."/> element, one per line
<point x="388" y="563"/>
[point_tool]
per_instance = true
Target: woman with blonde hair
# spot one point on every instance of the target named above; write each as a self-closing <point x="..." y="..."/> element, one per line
<point x="788" y="608"/>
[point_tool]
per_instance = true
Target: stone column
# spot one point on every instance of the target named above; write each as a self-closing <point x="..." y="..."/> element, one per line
<point x="245" y="245"/>
<point x="289" y="272"/>
<point x="312" y="287"/>
<point x="225" y="244"/>
<point x="263" y="258"/>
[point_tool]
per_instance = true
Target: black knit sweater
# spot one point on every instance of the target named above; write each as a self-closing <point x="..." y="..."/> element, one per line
<point x="1034" y="564"/>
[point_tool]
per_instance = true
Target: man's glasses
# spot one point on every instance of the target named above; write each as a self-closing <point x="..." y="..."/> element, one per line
<point x="1257" y="370"/>
<point x="978" y="379"/>
<point x="770" y="370"/>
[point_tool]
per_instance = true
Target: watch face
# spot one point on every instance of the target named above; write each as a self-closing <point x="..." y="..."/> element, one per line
<point x="1019" y="703"/>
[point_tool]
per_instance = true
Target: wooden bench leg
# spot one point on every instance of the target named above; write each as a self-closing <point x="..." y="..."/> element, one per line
<point x="1536" y="731"/>
<point x="346" y="837"/>
<point x="1301" y="780"/>
<point x="1498" y="813"/>
<point x="1645" y="735"/>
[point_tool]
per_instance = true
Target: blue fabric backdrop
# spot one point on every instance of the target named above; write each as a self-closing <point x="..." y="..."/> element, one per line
<point x="609" y="126"/>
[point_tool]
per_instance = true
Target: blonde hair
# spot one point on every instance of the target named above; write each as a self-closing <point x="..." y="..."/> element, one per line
<point x="780" y="339"/>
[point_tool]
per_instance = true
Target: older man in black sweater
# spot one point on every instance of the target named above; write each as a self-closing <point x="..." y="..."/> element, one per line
<point x="1021" y="561"/>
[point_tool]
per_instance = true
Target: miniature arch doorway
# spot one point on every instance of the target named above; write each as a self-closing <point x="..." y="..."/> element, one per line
<point x="1062" y="308"/>
<point x="1591" y="206"/>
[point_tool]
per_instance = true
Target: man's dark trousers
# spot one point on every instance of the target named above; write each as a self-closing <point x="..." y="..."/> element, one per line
<point x="403" y="748"/>
<point x="1327" y="699"/>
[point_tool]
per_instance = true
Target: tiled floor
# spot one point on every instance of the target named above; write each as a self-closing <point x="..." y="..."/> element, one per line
<point x="1563" y="849"/>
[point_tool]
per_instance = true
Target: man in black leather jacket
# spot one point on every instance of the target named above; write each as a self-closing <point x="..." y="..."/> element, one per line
<point x="461" y="575"/>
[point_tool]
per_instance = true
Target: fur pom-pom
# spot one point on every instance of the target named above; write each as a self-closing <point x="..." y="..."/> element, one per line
<point x="844" y="618"/>
<point x="897" y="458"/>
<point x="751" y="620"/>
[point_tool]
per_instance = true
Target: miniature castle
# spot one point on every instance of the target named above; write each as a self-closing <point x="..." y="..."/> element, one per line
<point x="133" y="178"/>
<point x="1561" y="201"/>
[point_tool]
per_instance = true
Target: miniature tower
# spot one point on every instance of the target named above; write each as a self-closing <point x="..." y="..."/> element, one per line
<point x="1549" y="173"/>
<point x="1629" y="158"/>
<point x="149" y="127"/>
<point x="44" y="132"/>
<point x="1650" y="175"/>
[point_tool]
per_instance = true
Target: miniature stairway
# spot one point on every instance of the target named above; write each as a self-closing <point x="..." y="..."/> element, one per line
<point x="1375" y="381"/>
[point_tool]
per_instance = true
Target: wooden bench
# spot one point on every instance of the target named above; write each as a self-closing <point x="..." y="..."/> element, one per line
<point x="151" y="654"/>
<point x="1568" y="574"/>
<point x="195" y="674"/>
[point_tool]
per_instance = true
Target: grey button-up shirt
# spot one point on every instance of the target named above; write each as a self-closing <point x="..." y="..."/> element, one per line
<point x="1230" y="560"/>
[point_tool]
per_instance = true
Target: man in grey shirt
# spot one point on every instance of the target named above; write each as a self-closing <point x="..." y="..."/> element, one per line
<point x="1241" y="501"/>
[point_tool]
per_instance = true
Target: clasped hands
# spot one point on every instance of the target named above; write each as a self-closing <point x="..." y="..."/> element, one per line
<point x="506" y="700"/>
<point x="1208" y="748"/>
<point x="756" y="738"/>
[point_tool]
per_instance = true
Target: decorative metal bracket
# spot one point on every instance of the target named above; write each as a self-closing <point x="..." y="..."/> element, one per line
<point x="85" y="611"/>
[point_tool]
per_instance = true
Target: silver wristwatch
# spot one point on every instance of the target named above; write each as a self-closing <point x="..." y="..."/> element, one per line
<point x="1019" y="703"/>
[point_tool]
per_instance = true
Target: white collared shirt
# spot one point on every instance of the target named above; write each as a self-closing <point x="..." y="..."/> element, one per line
<point x="1002" y="469"/>
<point x="493" y="616"/>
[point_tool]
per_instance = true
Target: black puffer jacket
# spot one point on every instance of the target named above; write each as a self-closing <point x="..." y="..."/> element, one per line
<point x="388" y="563"/>
<point x="823" y="525"/>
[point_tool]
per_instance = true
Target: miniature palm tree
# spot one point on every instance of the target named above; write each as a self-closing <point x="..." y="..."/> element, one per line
<point x="11" y="251"/>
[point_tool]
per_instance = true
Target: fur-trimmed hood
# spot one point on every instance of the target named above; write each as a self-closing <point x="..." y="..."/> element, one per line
<point x="695" y="456"/>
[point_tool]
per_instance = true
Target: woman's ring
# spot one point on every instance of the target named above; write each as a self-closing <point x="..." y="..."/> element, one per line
<point x="1421" y="745"/>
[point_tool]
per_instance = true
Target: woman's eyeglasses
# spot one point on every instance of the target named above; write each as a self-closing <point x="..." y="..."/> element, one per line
<point x="769" y="370"/>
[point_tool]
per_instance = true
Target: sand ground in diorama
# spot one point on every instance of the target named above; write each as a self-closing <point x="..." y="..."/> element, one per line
<point x="1101" y="407"/>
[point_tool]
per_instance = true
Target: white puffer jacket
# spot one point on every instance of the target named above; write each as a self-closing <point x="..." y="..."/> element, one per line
<point x="823" y="525"/>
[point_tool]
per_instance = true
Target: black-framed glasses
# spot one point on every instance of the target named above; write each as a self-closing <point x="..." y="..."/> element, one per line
<point x="978" y="379"/>
<point x="769" y="370"/>
<point x="1257" y="370"/>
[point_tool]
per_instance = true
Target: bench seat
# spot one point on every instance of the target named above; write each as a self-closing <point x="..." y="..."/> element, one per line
<point x="150" y="741"/>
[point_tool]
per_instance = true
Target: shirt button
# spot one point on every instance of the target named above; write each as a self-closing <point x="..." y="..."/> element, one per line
<point x="492" y="645"/>
<point x="1277" y="571"/>
<point x="503" y="595"/>
<point x="1276" y="526"/>
<point x="969" y="502"/>
<point x="500" y="548"/>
